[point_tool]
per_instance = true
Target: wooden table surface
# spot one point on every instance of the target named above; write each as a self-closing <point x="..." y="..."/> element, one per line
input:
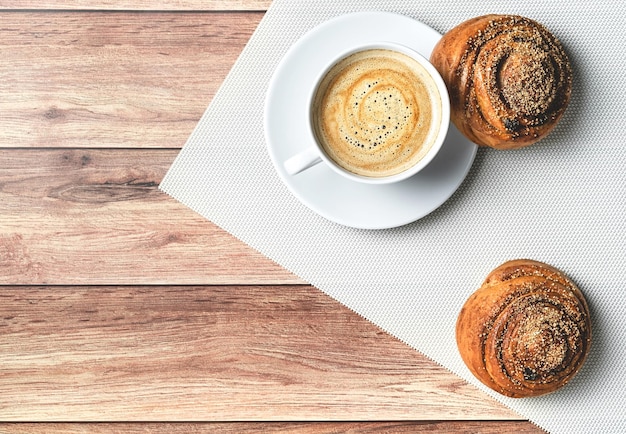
<point x="121" y="310"/>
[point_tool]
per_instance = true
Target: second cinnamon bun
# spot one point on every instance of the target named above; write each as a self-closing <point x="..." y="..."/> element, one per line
<point x="526" y="331"/>
<point x="508" y="77"/>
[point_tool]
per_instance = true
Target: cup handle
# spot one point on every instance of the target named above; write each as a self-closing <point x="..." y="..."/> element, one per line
<point x="302" y="161"/>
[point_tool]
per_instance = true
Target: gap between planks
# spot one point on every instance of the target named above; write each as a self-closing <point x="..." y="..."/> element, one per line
<point x="137" y="5"/>
<point x="458" y="427"/>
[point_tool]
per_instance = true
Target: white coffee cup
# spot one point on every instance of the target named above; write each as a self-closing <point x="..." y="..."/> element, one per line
<point x="438" y="122"/>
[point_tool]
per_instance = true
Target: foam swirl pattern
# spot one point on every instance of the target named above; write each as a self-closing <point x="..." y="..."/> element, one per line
<point x="526" y="331"/>
<point x="508" y="77"/>
<point x="377" y="113"/>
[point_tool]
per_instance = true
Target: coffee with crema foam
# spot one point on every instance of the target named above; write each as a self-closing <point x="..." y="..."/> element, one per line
<point x="377" y="112"/>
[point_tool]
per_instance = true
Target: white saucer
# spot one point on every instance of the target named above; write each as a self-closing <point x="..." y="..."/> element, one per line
<point x="332" y="196"/>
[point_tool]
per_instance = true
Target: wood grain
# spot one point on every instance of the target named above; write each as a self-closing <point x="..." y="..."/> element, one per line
<point x="458" y="427"/>
<point x="114" y="80"/>
<point x="122" y="305"/>
<point x="189" y="353"/>
<point x="97" y="217"/>
<point x="138" y="5"/>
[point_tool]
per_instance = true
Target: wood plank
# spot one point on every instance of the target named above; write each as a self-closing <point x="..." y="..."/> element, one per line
<point x="141" y="5"/>
<point x="97" y="217"/>
<point x="89" y="79"/>
<point x="201" y="353"/>
<point x="462" y="427"/>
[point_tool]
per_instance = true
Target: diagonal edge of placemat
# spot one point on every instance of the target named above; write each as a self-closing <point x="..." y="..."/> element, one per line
<point x="176" y="185"/>
<point x="172" y="181"/>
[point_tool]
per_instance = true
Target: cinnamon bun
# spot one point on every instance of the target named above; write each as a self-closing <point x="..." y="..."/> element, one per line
<point x="508" y="77"/>
<point x="526" y="331"/>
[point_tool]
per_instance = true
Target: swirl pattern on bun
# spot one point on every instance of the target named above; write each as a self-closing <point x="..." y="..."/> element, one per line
<point x="526" y="331"/>
<point x="509" y="79"/>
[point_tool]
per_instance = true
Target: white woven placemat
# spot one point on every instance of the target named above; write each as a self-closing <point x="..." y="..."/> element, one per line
<point x="562" y="201"/>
